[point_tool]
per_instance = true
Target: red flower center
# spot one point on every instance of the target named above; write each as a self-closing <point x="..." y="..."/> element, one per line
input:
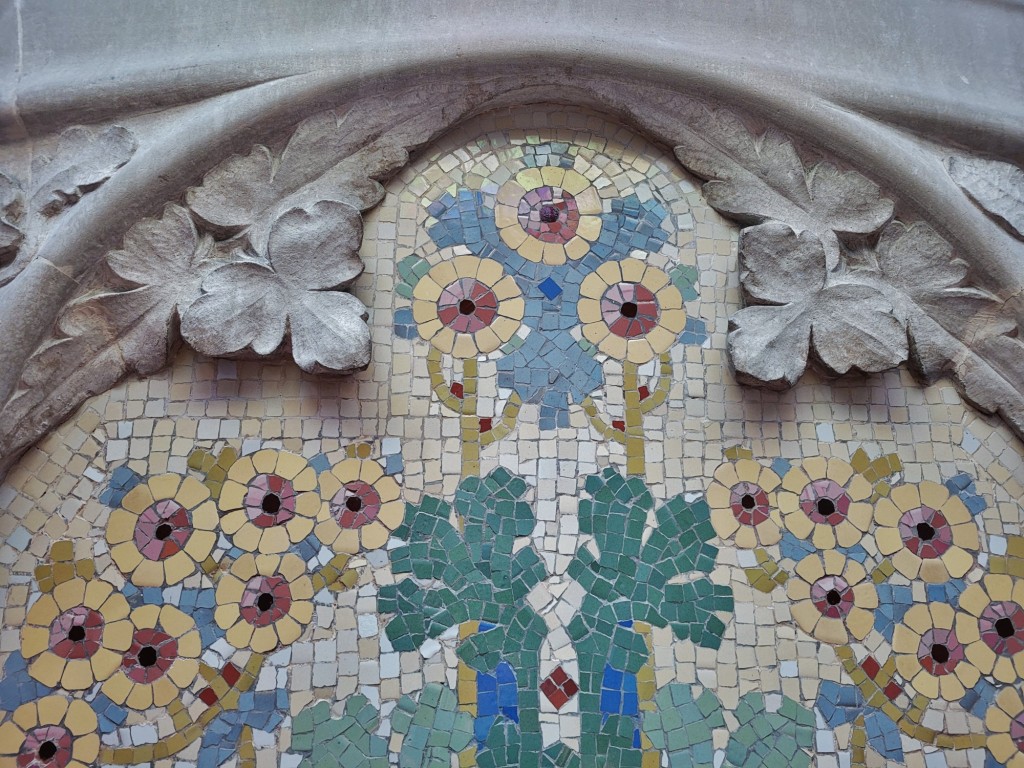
<point x="265" y="600"/>
<point x="355" y="504"/>
<point x="825" y="502"/>
<point x="1002" y="627"/>
<point x="467" y="305"/>
<point x="1017" y="731"/>
<point x="939" y="651"/>
<point x="832" y="596"/>
<point x="630" y="310"/>
<point x="150" y="656"/>
<point x="77" y="633"/>
<point x="926" y="532"/>
<point x="270" y="500"/>
<point x="47" y="746"/>
<point x="162" y="529"/>
<point x="549" y="214"/>
<point x="749" y="503"/>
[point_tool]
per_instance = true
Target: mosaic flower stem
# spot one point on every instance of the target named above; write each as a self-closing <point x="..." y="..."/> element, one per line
<point x="187" y="731"/>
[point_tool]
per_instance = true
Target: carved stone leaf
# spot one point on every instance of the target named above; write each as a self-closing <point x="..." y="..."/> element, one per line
<point x="84" y="159"/>
<point x="756" y="179"/>
<point x="11" y="204"/>
<point x="846" y="326"/>
<point x="777" y="264"/>
<point x="998" y="188"/>
<point x="252" y="305"/>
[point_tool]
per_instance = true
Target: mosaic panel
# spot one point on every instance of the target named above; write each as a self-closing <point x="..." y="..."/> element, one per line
<point x="544" y="528"/>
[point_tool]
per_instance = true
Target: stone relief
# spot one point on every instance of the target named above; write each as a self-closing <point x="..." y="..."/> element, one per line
<point x="832" y="278"/>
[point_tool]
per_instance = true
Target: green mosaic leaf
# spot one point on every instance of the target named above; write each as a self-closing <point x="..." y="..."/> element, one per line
<point x="771" y="738"/>
<point x="433" y="728"/>
<point x="349" y="740"/>
<point x="682" y="725"/>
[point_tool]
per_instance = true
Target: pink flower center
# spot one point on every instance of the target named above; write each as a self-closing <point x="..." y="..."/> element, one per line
<point x="832" y="596"/>
<point x="467" y="305"/>
<point x="270" y="500"/>
<point x="77" y="633"/>
<point x="939" y="651"/>
<point x="150" y="656"/>
<point x="1017" y="731"/>
<point x="825" y="502"/>
<point x="265" y="600"/>
<point x="549" y="214"/>
<point x="749" y="503"/>
<point x="48" y="746"/>
<point x="926" y="532"/>
<point x="1002" y="627"/>
<point x="356" y="504"/>
<point x="162" y="529"/>
<point x="629" y="310"/>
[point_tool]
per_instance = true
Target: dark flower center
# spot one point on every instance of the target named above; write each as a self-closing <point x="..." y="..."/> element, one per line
<point x="271" y="503"/>
<point x="748" y="501"/>
<point x="163" y="531"/>
<point x="354" y="503"/>
<point x="76" y="634"/>
<point x="833" y="597"/>
<point x="925" y="532"/>
<point x="826" y="507"/>
<point x="265" y="601"/>
<point x="47" y="750"/>
<point x="1005" y="628"/>
<point x="629" y="309"/>
<point x="147" y="656"/>
<point x="940" y="653"/>
<point x="549" y="214"/>
<point x="467" y="307"/>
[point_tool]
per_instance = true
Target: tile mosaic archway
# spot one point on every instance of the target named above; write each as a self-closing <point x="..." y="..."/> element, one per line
<point x="545" y="527"/>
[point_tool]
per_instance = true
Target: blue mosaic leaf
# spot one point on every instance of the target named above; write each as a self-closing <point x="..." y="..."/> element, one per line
<point x="122" y="480"/>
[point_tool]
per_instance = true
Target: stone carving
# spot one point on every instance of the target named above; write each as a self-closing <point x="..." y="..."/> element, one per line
<point x="250" y="303"/>
<point x="832" y="279"/>
<point x="83" y="159"/>
<point x="998" y="188"/>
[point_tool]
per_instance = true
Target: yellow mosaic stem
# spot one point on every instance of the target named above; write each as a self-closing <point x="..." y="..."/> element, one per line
<point x="466" y="690"/>
<point x="909" y="720"/>
<point x="768" y="574"/>
<point x="175" y="743"/>
<point x="882" y="571"/>
<point x="660" y="393"/>
<point x="859" y="743"/>
<point x="470" y="420"/>
<point x="646" y="688"/>
<point x="246" y="750"/>
<point x="335" y="575"/>
<point x="606" y="431"/>
<point x="439" y="384"/>
<point x="507" y="422"/>
<point x="635" y="458"/>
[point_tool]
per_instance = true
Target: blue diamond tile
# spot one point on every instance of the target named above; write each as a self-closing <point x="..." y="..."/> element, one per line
<point x="550" y="288"/>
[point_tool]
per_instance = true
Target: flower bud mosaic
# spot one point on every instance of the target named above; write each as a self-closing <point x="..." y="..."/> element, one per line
<point x="545" y="527"/>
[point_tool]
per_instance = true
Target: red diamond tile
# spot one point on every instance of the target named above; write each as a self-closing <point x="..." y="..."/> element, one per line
<point x="230" y="673"/>
<point x="559" y="688"/>
<point x="457" y="390"/>
<point x="486" y="425"/>
<point x="870" y="666"/>
<point x="619" y="424"/>
<point x="893" y="690"/>
<point x="644" y="393"/>
<point x="208" y="696"/>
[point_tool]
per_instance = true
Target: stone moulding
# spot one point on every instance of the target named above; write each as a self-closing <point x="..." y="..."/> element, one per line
<point x="237" y="229"/>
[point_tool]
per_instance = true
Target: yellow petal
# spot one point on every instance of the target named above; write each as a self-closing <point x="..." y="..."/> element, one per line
<point x="906" y="497"/>
<point x="289" y="465"/>
<point x="232" y="496"/>
<point x="11" y="738"/>
<point x="291" y="567"/>
<point x="926" y="684"/>
<point x="80" y="719"/>
<point x="727" y="475"/>
<point x="374" y="535"/>
<point x="226" y="616"/>
<point x="810" y="568"/>
<point x="117" y="688"/>
<point x="183" y="672"/>
<point x="52" y="709"/>
<point x="305" y="480"/>
<point x="192" y="493"/>
<point x="164" y="486"/>
<point x="887" y="513"/>
<point x="288" y="630"/>
<point x="806" y="615"/>
<point x="164" y="691"/>
<point x="933" y="495"/>
<point x="26" y="716"/>
<point x="271" y="540"/>
<point x="264" y="639"/>
<point x="77" y="675"/>
<point x="121" y="526"/>
<point x="141" y="697"/>
<point x="70" y="593"/>
<point x="233" y="521"/>
<point x="137" y="499"/>
<point x="240" y="634"/>
<point x="839" y="471"/>
<point x="47" y="669"/>
<point x="302" y="611"/>
<point x="244" y="470"/>
<point x="149" y="573"/>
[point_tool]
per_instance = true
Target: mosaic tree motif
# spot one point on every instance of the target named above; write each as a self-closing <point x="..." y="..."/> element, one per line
<point x="476" y="578"/>
<point x="244" y="534"/>
<point x="857" y="546"/>
<point x="627" y="586"/>
<point x="558" y="232"/>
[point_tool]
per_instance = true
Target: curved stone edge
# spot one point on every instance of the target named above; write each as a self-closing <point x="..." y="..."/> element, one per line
<point x="72" y="255"/>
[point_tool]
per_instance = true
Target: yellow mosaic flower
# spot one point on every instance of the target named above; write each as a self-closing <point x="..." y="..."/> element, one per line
<point x="742" y="502"/>
<point x="630" y="310"/>
<point x="76" y="635"/>
<point x="162" y="661"/>
<point x="264" y="601"/>
<point x="269" y="500"/>
<point x="928" y="532"/>
<point x="826" y="501"/>
<point x="930" y="650"/>
<point x="162" y="530"/>
<point x="53" y="732"/>
<point x="548" y="215"/>
<point x="832" y="598"/>
<point x="361" y="506"/>
<point x="998" y="604"/>
<point x="1004" y="722"/>
<point x="467" y="306"/>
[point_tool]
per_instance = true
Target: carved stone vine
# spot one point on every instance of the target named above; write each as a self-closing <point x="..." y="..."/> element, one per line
<point x="254" y="260"/>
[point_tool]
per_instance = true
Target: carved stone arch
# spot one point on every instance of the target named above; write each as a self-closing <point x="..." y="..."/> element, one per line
<point x="818" y="187"/>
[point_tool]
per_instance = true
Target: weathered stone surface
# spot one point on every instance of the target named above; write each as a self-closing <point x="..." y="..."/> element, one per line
<point x="997" y="187"/>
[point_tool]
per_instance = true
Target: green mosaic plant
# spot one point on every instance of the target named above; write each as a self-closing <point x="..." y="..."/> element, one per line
<point x="771" y="739"/>
<point x="476" y="576"/>
<point x="349" y="740"/>
<point x="629" y="582"/>
<point x="682" y="725"/>
<point x="432" y="728"/>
